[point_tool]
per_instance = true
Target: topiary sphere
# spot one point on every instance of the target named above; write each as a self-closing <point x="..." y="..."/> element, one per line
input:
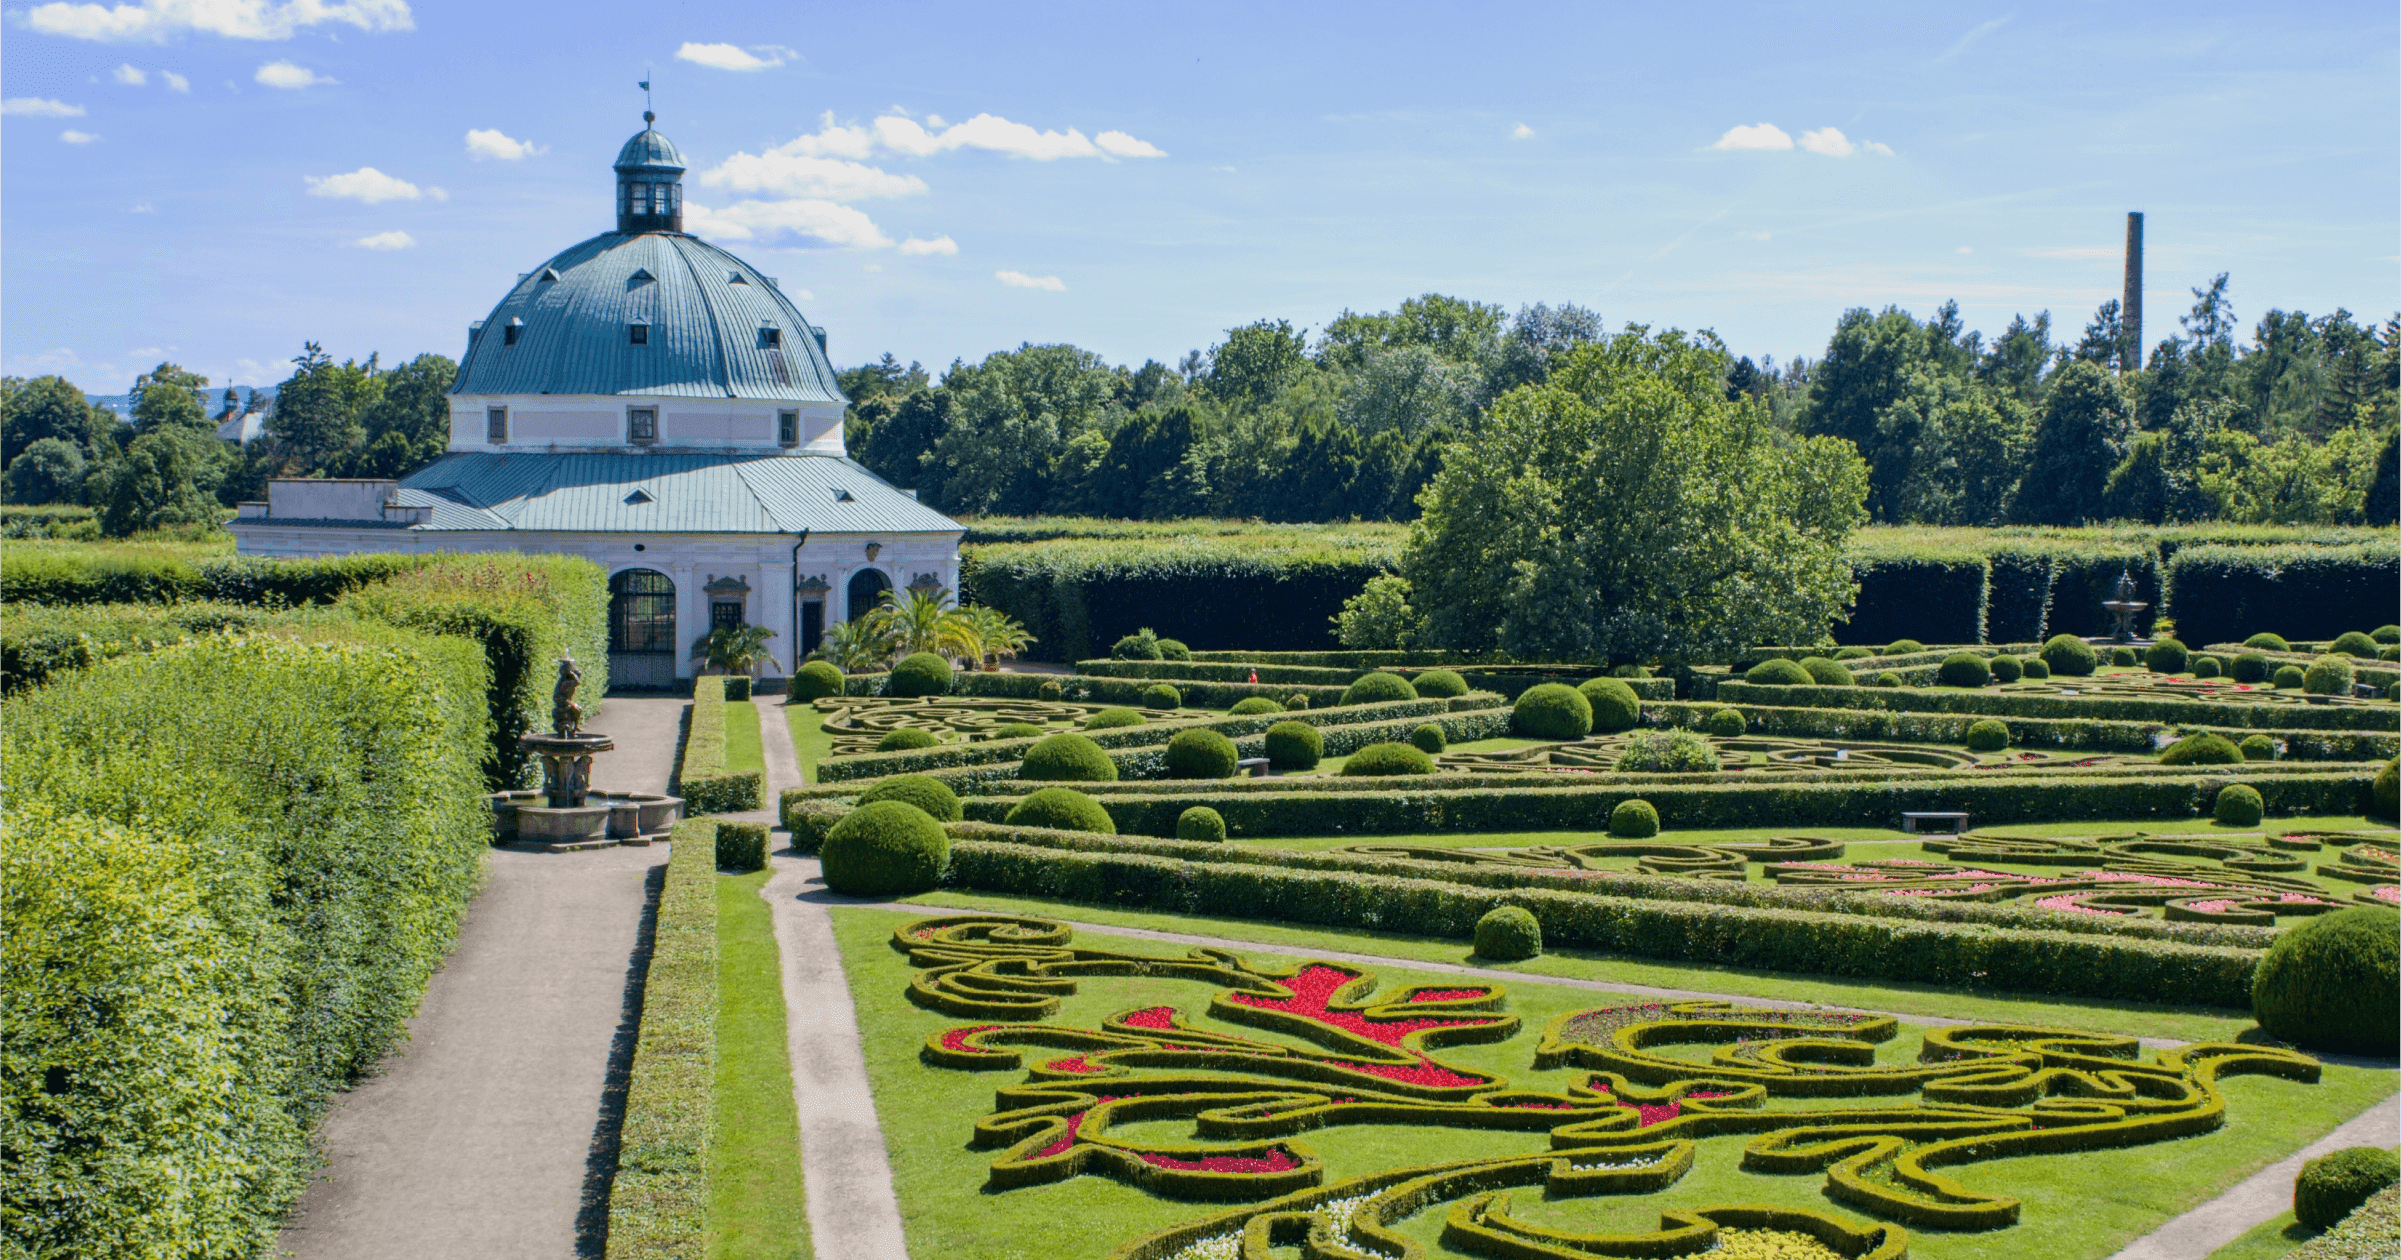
<point x="1726" y="723"/>
<point x="1553" y="711"/>
<point x="1378" y="688"/>
<point x="1297" y="700"/>
<point x="1629" y="671"/>
<point x="1886" y="679"/>
<point x="1200" y="754"/>
<point x="2329" y="675"/>
<point x="2258" y="748"/>
<point x="2387" y="792"/>
<point x="2333" y="1185"/>
<point x="1016" y="730"/>
<point x="2166" y="656"/>
<point x="1963" y="669"/>
<point x="1377" y="760"/>
<point x="1900" y="647"/>
<point x="1050" y="692"/>
<point x="2066" y="654"/>
<point x="884" y="848"/>
<point x="1162" y="696"/>
<point x="1174" y="650"/>
<point x="813" y="681"/>
<point x="2266" y="642"/>
<point x="920" y="674"/>
<point x="2007" y="669"/>
<point x="1111" y="719"/>
<point x="2353" y="643"/>
<point x="2201" y="749"/>
<point x="2288" y="678"/>
<point x="1429" y="740"/>
<point x="2332" y="982"/>
<point x="1252" y="706"/>
<point x="1294" y="746"/>
<point x="2207" y="667"/>
<point x="2123" y="656"/>
<point x="1508" y="934"/>
<point x="1987" y="735"/>
<point x="1826" y="673"/>
<point x="1067" y="758"/>
<point x="1139" y="646"/>
<point x="1634" y="820"/>
<point x="1061" y="809"/>
<point x="2239" y="806"/>
<point x="2037" y="667"/>
<point x="905" y="738"/>
<point x="921" y="790"/>
<point x="1440" y="684"/>
<point x="1614" y="704"/>
<point x="1777" y="672"/>
<point x="2386" y="634"/>
<point x="1854" y="654"/>
<point x="1200" y="823"/>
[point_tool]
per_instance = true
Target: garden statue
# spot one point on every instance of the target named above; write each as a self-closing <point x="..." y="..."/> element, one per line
<point x="566" y="752"/>
<point x="566" y="716"/>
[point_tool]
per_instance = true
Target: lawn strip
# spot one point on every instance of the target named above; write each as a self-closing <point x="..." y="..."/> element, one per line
<point x="2267" y="1240"/>
<point x="758" y="1207"/>
<point x="742" y="750"/>
<point x="810" y="742"/>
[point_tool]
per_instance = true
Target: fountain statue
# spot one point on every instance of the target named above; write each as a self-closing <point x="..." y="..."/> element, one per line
<point x="2123" y="608"/>
<point x="565" y="813"/>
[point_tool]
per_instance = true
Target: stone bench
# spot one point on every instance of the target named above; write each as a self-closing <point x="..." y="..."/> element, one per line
<point x="1920" y="820"/>
<point x="1255" y="767"/>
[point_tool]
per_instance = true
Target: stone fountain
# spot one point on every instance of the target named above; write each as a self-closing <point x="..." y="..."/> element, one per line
<point x="567" y="813"/>
<point x="2124" y="607"/>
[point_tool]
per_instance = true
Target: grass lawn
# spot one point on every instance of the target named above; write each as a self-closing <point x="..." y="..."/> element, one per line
<point x="2077" y="1207"/>
<point x="810" y="743"/>
<point x="2267" y="1240"/>
<point x="757" y="1208"/>
<point x="742" y="748"/>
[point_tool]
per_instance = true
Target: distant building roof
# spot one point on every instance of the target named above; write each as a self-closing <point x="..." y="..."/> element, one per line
<point x="661" y="492"/>
<point x="649" y="149"/>
<point x="246" y="428"/>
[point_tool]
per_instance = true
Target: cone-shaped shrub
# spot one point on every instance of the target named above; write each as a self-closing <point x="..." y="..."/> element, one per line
<point x="887" y="847"/>
<point x="2333" y="982"/>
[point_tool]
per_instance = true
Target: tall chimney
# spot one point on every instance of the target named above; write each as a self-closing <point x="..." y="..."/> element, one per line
<point x="2131" y="305"/>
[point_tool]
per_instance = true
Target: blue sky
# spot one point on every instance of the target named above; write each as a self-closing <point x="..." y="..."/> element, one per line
<point x="216" y="181"/>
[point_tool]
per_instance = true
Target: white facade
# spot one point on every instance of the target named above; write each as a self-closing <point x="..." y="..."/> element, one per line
<point x="546" y="422"/>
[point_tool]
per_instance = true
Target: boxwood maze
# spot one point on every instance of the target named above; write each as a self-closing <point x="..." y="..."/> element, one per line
<point x="1343" y="1051"/>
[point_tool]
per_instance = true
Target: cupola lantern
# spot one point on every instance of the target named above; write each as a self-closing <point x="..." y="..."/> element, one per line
<point x="650" y="182"/>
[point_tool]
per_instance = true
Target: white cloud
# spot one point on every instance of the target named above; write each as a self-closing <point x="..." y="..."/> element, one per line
<point x="387" y="240"/>
<point x="1119" y="144"/>
<point x="1828" y="141"/>
<point x="1876" y="147"/>
<point x="730" y="57"/>
<point x="1523" y="132"/>
<point x="364" y="184"/>
<point x="896" y="132"/>
<point x="283" y="74"/>
<point x="72" y="136"/>
<point x="832" y="141"/>
<point x="143" y="207"/>
<point x="811" y="223"/>
<point x="800" y="175"/>
<point x="1020" y="280"/>
<point x="1967" y="249"/>
<point x="1763" y="136"/>
<point x="158" y="20"/>
<point x="939" y="245"/>
<point x="129" y="76"/>
<point x="490" y="143"/>
<point x="176" y="82"/>
<point x="39" y="107"/>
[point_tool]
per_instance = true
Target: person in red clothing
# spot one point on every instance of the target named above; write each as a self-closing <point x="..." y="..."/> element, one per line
<point x="1254" y="675"/>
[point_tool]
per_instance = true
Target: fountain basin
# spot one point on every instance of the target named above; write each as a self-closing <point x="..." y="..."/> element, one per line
<point x="525" y="819"/>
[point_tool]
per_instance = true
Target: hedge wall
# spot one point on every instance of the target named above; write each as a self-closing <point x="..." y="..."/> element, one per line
<point x="132" y="575"/>
<point x="700" y="774"/>
<point x="264" y="841"/>
<point x="1931" y="597"/>
<point x="38" y="641"/>
<point x="2079" y="733"/>
<point x="2231" y="593"/>
<point x="1509" y="681"/>
<point x="659" y="1200"/>
<point x="1078" y="597"/>
<point x="1990" y="703"/>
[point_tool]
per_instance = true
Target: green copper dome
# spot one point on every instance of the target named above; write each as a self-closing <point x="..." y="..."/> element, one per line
<point x="650" y="149"/>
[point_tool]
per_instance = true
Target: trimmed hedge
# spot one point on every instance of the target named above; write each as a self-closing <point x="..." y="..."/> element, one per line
<point x="2336" y="1184"/>
<point x="1552" y="711"/>
<point x="1067" y="757"/>
<point x="887" y="847"/>
<point x="1063" y="809"/>
<point x="2221" y="593"/>
<point x="921" y="674"/>
<point x="1293" y="745"/>
<point x="813" y="681"/>
<point x="1378" y="688"/>
<point x="134" y="575"/>
<point x="2333" y="982"/>
<point x="700" y="774"/>
<point x="1328" y="684"/>
<point x="2006" y="704"/>
<point x="659" y="1198"/>
<point x="1377" y="760"/>
<point x="1200" y="754"/>
<point x="1938" y="595"/>
<point x="1634" y="820"/>
<point x="1200" y="823"/>
<point x="923" y="791"/>
<point x="1076" y="594"/>
<point x="741" y="846"/>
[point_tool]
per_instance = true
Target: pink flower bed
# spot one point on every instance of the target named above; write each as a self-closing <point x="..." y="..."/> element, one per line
<point x="2390" y="893"/>
<point x="956" y="1039"/>
<point x="1074" y="1123"/>
<point x="1647" y="1114"/>
<point x="1446" y="995"/>
<point x="2068" y="903"/>
<point x="1941" y="892"/>
<point x="1076" y="1064"/>
<point x="2215" y="905"/>
<point x="1312" y="991"/>
<point x="1152" y="1017"/>
<point x="1274" y="1161"/>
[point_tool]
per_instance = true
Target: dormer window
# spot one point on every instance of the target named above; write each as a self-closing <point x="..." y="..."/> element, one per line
<point x="640" y="334"/>
<point x="770" y="337"/>
<point x="641" y="276"/>
<point x="508" y="333"/>
<point x="735" y="277"/>
<point x="549" y="275"/>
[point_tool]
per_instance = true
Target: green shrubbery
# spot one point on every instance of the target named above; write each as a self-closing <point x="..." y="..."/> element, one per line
<point x="2006" y="668"/>
<point x="2329" y="675"/>
<point x="1825" y="673"/>
<point x="1440" y="683"/>
<point x="2353" y="643"/>
<point x="1018" y="730"/>
<point x="1067" y="758"/>
<point x="1903" y="647"/>
<point x="1854" y="653"/>
<point x="1777" y="672"/>
<point x="1294" y="746"/>
<point x="886" y="847"/>
<point x="2038" y="668"/>
<point x="1554" y="711"/>
<point x="1963" y="669"/>
<point x="1297" y="700"/>
<point x="1726" y="723"/>
<point x="2387" y="790"/>
<point x="905" y="738"/>
<point x="1508" y="934"/>
<point x="2289" y="678"/>
<point x="2333" y="1185"/>
<point x="1667" y="752"/>
<point x="1634" y="820"/>
<point x="1986" y="735"/>
<point x="1062" y="809"/>
<point x="923" y="791"/>
<point x="1142" y="645"/>
<point x="741" y="846"/>
<point x="1162" y="696"/>
<point x="920" y="674"/>
<point x="1886" y="678"/>
<point x="1200" y="754"/>
<point x="1251" y="705"/>
<point x="2203" y="749"/>
<point x="2123" y="657"/>
<point x="1613" y="703"/>
<point x="813" y="681"/>
<point x="1388" y="759"/>
<point x="2267" y="642"/>
<point x="2166" y="656"/>
<point x="2239" y="805"/>
<point x="700" y="776"/>
<point x="1200" y="823"/>
<point x="659" y="1198"/>
<point x="2258" y="748"/>
<point x="1174" y="650"/>
<point x="2069" y="656"/>
<point x="2208" y="667"/>
<point x="1428" y="739"/>
<point x="1378" y="688"/>
<point x="1109" y="719"/>
<point x="2333" y="982"/>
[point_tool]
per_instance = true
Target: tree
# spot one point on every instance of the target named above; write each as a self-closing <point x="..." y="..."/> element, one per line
<point x="166" y="479"/>
<point x="47" y="471"/>
<point x="1133" y="477"/>
<point x="735" y="649"/>
<point x="2383" y="506"/>
<point x="319" y="409"/>
<point x="166" y="397"/>
<point x="2104" y="340"/>
<point x="1408" y="389"/>
<point x="1255" y="362"/>
<point x="1954" y="450"/>
<point x="407" y="426"/>
<point x="1378" y="617"/>
<point x="52" y="407"/>
<point x="1540" y="333"/>
<point x="2082" y="433"/>
<point x="2016" y="359"/>
<point x="1010" y="418"/>
<point x="1628" y="510"/>
<point x="902" y="434"/>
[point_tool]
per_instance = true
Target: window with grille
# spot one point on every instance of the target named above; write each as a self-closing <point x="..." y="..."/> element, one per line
<point x="496" y="422"/>
<point x="642" y="424"/>
<point x="641" y="612"/>
<point x="787" y="428"/>
<point x="640" y="334"/>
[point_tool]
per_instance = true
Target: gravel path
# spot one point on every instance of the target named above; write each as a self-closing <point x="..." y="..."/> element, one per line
<point x="2263" y="1195"/>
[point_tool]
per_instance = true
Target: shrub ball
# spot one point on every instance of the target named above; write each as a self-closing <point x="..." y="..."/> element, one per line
<point x="1016" y="730"/>
<point x="2333" y="1185"/>
<point x="1987" y="735"/>
<point x="1067" y="758"/>
<point x="1614" y="704"/>
<point x="2202" y="749"/>
<point x="2037" y="667"/>
<point x="1854" y="654"/>
<point x="2123" y="656"/>
<point x="2288" y="678"/>
<point x="888" y="847"/>
<point x="1508" y="934"/>
<point x="905" y="738"/>
<point x="1294" y="746"/>
<point x="2266" y="642"/>
<point x="1378" y="688"/>
<point x="1825" y="673"/>
<point x="1111" y="719"/>
<point x="1143" y="645"/>
<point x="1050" y="692"/>
<point x="1252" y="706"/>
<point x="1886" y="679"/>
<point x="1440" y="684"/>
<point x="1899" y="647"/>
<point x="1777" y="672"/>
<point x="920" y="674"/>
<point x="1200" y="823"/>
<point x="2258" y="748"/>
<point x="1061" y="809"/>
<point x="1174" y="650"/>
<point x="2386" y="634"/>
<point x="1634" y="820"/>
<point x="2166" y="656"/>
<point x="1200" y="754"/>
<point x="2329" y="675"/>
<point x="1553" y="711"/>
<point x="2208" y="667"/>
<point x="1162" y="696"/>
<point x="2330" y="983"/>
<point x="2388" y="790"/>
<point x="2239" y="806"/>
<point x="1963" y="669"/>
<point x="2007" y="669"/>
<point x="1629" y="671"/>
<point x="813" y="681"/>
<point x="2070" y="656"/>
<point x="1297" y="700"/>
<point x="1428" y="739"/>
<point x="1726" y="723"/>
<point x="1377" y="760"/>
<point x="2353" y="643"/>
<point x="921" y="790"/>
<point x="741" y="846"/>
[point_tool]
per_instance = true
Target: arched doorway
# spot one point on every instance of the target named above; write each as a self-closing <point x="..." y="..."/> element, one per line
<point x="641" y="629"/>
<point x="867" y="587"/>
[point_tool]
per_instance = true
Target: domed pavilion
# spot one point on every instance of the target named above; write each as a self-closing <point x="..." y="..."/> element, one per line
<point x="655" y="404"/>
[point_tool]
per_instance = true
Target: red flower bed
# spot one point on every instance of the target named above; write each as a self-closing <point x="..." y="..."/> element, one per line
<point x="1446" y="995"/>
<point x="1311" y="992"/>
<point x="1274" y="1161"/>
